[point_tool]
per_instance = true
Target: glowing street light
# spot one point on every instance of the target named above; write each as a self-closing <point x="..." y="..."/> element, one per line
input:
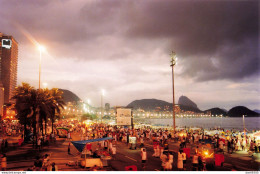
<point x="173" y="62"/>
<point x="45" y="85"/>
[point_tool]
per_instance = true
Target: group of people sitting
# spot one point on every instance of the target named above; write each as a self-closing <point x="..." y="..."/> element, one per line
<point x="43" y="164"/>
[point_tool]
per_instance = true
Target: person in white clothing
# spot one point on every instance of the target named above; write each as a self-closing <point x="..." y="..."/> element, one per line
<point x="144" y="157"/>
<point x="195" y="162"/>
<point x="164" y="159"/>
<point x="114" y="151"/>
<point x="170" y="158"/>
<point x="184" y="160"/>
<point x="168" y="165"/>
<point x="180" y="161"/>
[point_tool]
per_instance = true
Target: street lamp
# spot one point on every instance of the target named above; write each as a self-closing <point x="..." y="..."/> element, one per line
<point x="173" y="62"/>
<point x="45" y="85"/>
<point x="102" y="94"/>
<point x="41" y="49"/>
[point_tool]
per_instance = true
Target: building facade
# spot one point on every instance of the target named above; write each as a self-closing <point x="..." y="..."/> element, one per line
<point x="8" y="67"/>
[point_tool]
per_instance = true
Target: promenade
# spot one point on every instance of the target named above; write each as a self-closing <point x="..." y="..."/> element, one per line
<point x="22" y="158"/>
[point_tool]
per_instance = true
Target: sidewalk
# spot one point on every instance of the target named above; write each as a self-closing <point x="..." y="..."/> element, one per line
<point x="239" y="157"/>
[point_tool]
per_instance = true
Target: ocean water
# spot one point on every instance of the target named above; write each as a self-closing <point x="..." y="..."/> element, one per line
<point x="251" y="123"/>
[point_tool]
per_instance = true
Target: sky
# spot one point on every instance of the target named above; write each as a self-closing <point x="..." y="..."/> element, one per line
<point x="124" y="46"/>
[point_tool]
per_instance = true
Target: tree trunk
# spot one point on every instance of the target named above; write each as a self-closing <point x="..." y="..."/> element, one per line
<point x="34" y="132"/>
<point x="45" y="126"/>
<point x="42" y="127"/>
<point x="52" y="125"/>
<point x="24" y="131"/>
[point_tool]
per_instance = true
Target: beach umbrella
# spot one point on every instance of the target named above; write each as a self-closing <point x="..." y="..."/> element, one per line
<point x="80" y="145"/>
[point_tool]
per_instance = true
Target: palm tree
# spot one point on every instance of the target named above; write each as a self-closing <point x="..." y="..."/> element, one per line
<point x="45" y="99"/>
<point x="23" y="106"/>
<point x="56" y="105"/>
<point x="35" y="106"/>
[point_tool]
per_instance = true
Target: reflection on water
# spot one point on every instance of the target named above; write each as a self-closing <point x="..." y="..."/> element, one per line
<point x="251" y="123"/>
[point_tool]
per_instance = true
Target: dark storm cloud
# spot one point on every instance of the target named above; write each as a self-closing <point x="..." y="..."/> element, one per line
<point x="201" y="30"/>
<point x="214" y="39"/>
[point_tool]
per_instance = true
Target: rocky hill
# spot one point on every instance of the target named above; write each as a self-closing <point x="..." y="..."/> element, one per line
<point x="149" y="104"/>
<point x="239" y="111"/>
<point x="187" y="105"/>
<point x="217" y="111"/>
<point x="69" y="96"/>
<point x="154" y="104"/>
<point x="183" y="100"/>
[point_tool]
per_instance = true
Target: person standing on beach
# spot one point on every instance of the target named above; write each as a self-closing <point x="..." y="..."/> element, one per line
<point x="195" y="161"/>
<point x="180" y="161"/>
<point x="69" y="149"/>
<point x="184" y="160"/>
<point x="144" y="158"/>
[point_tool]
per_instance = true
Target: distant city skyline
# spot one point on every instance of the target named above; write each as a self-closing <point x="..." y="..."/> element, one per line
<point x="124" y="48"/>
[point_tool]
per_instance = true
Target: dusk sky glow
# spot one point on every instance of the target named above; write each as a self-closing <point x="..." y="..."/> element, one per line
<point x="124" y="46"/>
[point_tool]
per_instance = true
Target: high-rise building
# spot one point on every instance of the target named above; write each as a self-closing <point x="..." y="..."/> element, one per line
<point x="107" y="107"/>
<point x="8" y="67"/>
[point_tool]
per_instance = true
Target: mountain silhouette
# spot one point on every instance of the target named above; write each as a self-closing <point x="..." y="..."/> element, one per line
<point x="239" y="111"/>
<point x="183" y="100"/>
<point x="155" y="104"/>
<point x="216" y="111"/>
<point x="149" y="104"/>
<point x="69" y="96"/>
<point x="187" y="105"/>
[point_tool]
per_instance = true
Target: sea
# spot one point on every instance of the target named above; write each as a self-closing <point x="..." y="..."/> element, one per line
<point x="251" y="123"/>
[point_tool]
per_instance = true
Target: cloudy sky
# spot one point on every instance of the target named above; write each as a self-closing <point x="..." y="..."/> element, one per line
<point x="123" y="47"/>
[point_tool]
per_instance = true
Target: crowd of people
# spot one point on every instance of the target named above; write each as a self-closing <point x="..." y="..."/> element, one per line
<point x="160" y="138"/>
<point x="217" y="143"/>
<point x="43" y="164"/>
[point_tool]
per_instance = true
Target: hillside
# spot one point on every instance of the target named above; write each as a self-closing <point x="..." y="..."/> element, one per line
<point x="189" y="108"/>
<point x="216" y="111"/>
<point x="149" y="104"/>
<point x="183" y="100"/>
<point x="239" y="111"/>
<point x="69" y="96"/>
<point x="153" y="104"/>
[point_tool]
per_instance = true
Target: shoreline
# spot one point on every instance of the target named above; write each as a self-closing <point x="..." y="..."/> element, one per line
<point x="251" y="123"/>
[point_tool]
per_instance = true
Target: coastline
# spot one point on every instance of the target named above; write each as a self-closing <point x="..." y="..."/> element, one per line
<point x="251" y="123"/>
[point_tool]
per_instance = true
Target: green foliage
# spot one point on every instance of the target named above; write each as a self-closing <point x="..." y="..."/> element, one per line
<point x="88" y="116"/>
<point x="31" y="102"/>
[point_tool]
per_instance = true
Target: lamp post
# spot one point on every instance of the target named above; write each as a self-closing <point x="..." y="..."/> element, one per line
<point x="41" y="49"/>
<point x="102" y="94"/>
<point x="173" y="62"/>
<point x="244" y="126"/>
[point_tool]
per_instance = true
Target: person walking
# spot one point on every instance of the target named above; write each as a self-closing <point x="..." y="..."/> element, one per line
<point x="164" y="159"/>
<point x="170" y="156"/>
<point x="144" y="158"/>
<point x="53" y="167"/>
<point x="69" y="149"/>
<point x="195" y="162"/>
<point x="114" y="152"/>
<point x="168" y="165"/>
<point x="184" y="160"/>
<point x="39" y="143"/>
<point x="180" y="161"/>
